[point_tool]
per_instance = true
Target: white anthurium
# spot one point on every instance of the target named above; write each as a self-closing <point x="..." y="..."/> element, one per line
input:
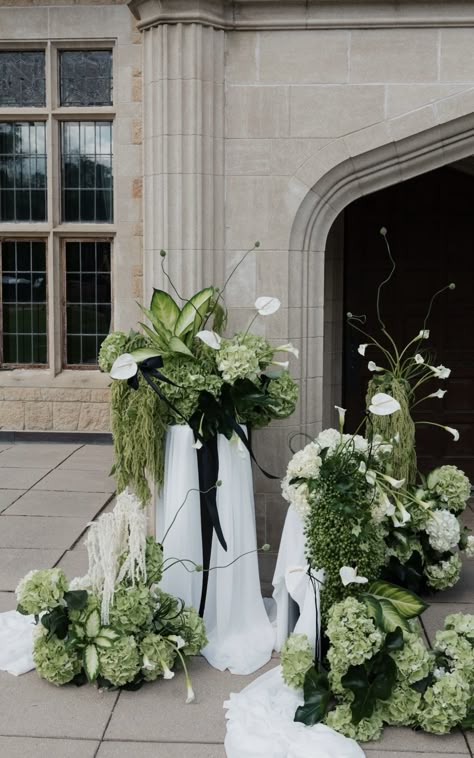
<point x="419" y="358"/>
<point x="395" y="483"/>
<point x="362" y="348"/>
<point x="342" y="415"/>
<point x="211" y="339"/>
<point x="178" y="641"/>
<point x="373" y="367"/>
<point x="452" y="431"/>
<point x="288" y="348"/>
<point x="370" y="477"/>
<point x="266" y="305"/>
<point x="424" y="334"/>
<point x="383" y="404"/>
<point x="349" y="576"/>
<point x="438" y="393"/>
<point x="441" y="372"/>
<point x="124" y="367"/>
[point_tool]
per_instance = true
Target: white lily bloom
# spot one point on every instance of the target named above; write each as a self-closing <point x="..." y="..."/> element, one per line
<point x="211" y="339"/>
<point x="191" y="696"/>
<point x="124" y="367"/>
<point x="438" y="393"/>
<point x="383" y="404"/>
<point x="342" y="415"/>
<point x="440" y="371"/>
<point x="452" y="431"/>
<point x="362" y="348"/>
<point x="419" y="358"/>
<point x="424" y="334"/>
<point x="373" y="366"/>
<point x="167" y="673"/>
<point x="396" y="483"/>
<point x="349" y="576"/>
<point x="267" y="305"/>
<point x="288" y="348"/>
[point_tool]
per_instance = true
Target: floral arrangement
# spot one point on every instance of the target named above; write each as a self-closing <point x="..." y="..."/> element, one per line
<point x="180" y="371"/>
<point x="114" y="627"/>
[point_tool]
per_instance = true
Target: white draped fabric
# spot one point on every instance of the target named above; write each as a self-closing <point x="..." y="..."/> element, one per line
<point x="16" y="643"/>
<point x="241" y="637"/>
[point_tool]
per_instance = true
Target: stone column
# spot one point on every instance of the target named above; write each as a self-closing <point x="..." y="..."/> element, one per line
<point x="183" y="138"/>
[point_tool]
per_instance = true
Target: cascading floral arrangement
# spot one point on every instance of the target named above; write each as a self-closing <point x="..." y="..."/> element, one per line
<point x="211" y="382"/>
<point x="113" y="627"/>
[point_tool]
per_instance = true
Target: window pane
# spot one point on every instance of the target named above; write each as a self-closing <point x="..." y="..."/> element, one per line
<point x="22" y="171"/>
<point x="87" y="171"/>
<point x="85" y="77"/>
<point x="24" y="338"/>
<point x="88" y="301"/>
<point x="22" y="80"/>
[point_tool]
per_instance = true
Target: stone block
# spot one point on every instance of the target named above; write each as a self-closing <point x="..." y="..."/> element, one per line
<point x="38" y="415"/>
<point x="394" y="55"/>
<point x="257" y="112"/>
<point x="137" y="132"/>
<point x="137" y="88"/>
<point x="303" y="56"/>
<point x="241" y="57"/>
<point x="94" y="417"/>
<point x="100" y="396"/>
<point x="16" y="24"/>
<point x="137" y="188"/>
<point x="402" y="98"/>
<point x="288" y="155"/>
<point x="30" y="531"/>
<point x="456" y="58"/>
<point x="12" y="414"/>
<point x="66" y="416"/>
<point x="333" y="111"/>
<point x="248" y="156"/>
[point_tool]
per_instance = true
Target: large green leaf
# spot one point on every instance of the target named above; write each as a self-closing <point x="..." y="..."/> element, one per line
<point x="160" y="330"/>
<point x="370" y="682"/>
<point x="191" y="317"/>
<point x="76" y="599"/>
<point x="91" y="662"/>
<point x="177" y="346"/>
<point x="92" y="626"/>
<point x="374" y="608"/>
<point x="407" y="603"/>
<point x="56" y="622"/>
<point x="164" y="309"/>
<point x="109" y="633"/>
<point x="142" y="353"/>
<point x="316" y="698"/>
<point x="156" y="340"/>
<point x="391" y="618"/>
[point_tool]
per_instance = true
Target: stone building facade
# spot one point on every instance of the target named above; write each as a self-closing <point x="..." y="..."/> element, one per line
<point x="236" y="121"/>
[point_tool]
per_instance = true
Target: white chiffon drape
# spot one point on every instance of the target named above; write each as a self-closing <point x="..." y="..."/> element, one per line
<point x="241" y="637"/>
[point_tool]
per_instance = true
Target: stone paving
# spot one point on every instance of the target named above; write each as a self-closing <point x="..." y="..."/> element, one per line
<point x="48" y="494"/>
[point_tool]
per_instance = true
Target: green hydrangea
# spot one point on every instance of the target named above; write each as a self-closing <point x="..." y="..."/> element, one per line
<point x="131" y="608"/>
<point x="444" y="704"/>
<point x="366" y="730"/>
<point x="158" y="654"/>
<point x="193" y="631"/>
<point x="404" y="549"/>
<point x="451" y="486"/>
<point x="458" y="649"/>
<point x="414" y="661"/>
<point x="41" y="590"/>
<point x="120" y="663"/>
<point x="283" y="392"/>
<point x="462" y="623"/>
<point x="53" y="659"/>
<point x="352" y="633"/>
<point x="244" y="356"/>
<point x="115" y="344"/>
<point x="191" y="377"/>
<point x="296" y="658"/>
<point x="153" y="560"/>
<point x="443" y="574"/>
<point x="402" y="707"/>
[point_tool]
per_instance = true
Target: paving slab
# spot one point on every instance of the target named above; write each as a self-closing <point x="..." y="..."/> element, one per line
<point x="470" y="740"/>
<point x="91" y="457"/>
<point x="15" y="563"/>
<point x="7" y="603"/>
<point x="31" y="707"/>
<point x="74" y="563"/>
<point x="32" y="531"/>
<point x="408" y="754"/>
<point x="405" y="741"/>
<point x="433" y="617"/>
<point x="4" y="447"/>
<point x="20" y="478"/>
<point x="76" y="480"/>
<point x="62" y="504"/>
<point x="158" y="711"/>
<point x="36" y="455"/>
<point x="7" y="497"/>
<point x="32" y="747"/>
<point x="160" y="750"/>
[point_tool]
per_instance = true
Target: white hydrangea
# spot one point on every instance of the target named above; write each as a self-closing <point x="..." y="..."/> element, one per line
<point x="305" y="463"/>
<point x="329" y="438"/>
<point x="469" y="549"/>
<point x="382" y="506"/>
<point x="443" y="530"/>
<point x="297" y="496"/>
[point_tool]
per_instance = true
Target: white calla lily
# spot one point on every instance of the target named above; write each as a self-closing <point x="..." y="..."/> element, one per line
<point x="288" y="348"/>
<point x="191" y="697"/>
<point x="362" y="467"/>
<point x="452" y="431"/>
<point x="283" y="364"/>
<point x="383" y="404"/>
<point x="438" y="393"/>
<point x="124" y="367"/>
<point x="396" y="483"/>
<point x="178" y="641"/>
<point x="197" y="445"/>
<point x="419" y="358"/>
<point x="349" y="576"/>
<point x="362" y="348"/>
<point x="424" y="334"/>
<point x="342" y="415"/>
<point x="370" y="477"/>
<point x="401" y="516"/>
<point x="211" y="339"/>
<point x="266" y="305"/>
<point x="167" y="673"/>
<point x="372" y="366"/>
<point x="441" y="372"/>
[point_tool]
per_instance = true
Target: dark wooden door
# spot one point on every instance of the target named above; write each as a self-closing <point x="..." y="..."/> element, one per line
<point x="430" y="222"/>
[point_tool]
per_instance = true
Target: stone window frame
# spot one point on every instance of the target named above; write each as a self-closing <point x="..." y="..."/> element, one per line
<point x="54" y="231"/>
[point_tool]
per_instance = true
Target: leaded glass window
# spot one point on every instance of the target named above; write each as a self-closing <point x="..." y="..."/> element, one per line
<point x="87" y="171"/>
<point x="24" y="302"/>
<point x="85" y="77"/>
<point x="22" y="79"/>
<point x="88" y="300"/>
<point x="23" y="171"/>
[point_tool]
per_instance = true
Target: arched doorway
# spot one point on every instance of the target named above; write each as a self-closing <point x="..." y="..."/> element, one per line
<point x="431" y="230"/>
